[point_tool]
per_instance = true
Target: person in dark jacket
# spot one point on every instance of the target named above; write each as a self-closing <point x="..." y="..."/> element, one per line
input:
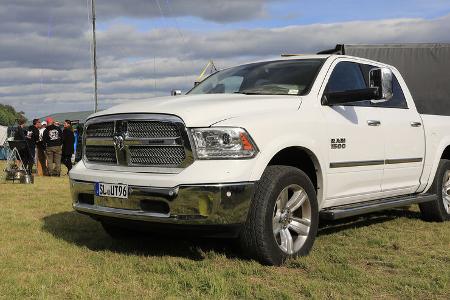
<point x="41" y="156"/>
<point x="21" y="135"/>
<point x="32" y="141"/>
<point x="52" y="138"/>
<point x="68" y="145"/>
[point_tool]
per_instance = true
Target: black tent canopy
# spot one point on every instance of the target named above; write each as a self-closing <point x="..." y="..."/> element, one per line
<point x="425" y="68"/>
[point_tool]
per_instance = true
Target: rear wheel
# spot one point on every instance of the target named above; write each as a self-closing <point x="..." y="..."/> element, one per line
<point x="438" y="210"/>
<point x="283" y="218"/>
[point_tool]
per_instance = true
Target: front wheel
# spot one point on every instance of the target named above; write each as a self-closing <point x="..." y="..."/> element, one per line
<point x="283" y="218"/>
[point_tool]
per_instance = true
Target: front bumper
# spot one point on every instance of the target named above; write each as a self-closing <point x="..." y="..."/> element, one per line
<point x="210" y="204"/>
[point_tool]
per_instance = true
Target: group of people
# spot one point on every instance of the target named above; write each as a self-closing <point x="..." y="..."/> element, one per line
<point x="52" y="145"/>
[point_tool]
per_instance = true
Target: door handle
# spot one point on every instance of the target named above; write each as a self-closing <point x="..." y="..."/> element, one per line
<point x="416" y="124"/>
<point x="373" y="123"/>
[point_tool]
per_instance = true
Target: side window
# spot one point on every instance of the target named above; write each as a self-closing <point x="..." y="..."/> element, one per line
<point x="346" y="76"/>
<point x="398" y="100"/>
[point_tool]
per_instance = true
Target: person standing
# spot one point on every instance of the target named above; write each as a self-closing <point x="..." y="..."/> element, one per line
<point x="41" y="157"/>
<point x="52" y="138"/>
<point x="32" y="140"/>
<point x="21" y="135"/>
<point x="68" y="145"/>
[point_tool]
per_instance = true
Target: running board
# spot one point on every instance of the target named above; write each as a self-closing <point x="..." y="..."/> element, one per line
<point x="343" y="211"/>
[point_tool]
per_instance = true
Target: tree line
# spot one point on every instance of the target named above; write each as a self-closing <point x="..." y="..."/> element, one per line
<point x="9" y="116"/>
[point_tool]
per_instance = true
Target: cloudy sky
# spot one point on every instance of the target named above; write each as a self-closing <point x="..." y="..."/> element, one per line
<point x="148" y="47"/>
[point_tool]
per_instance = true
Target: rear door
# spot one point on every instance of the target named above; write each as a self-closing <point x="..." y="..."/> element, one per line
<point x="404" y="141"/>
<point x="356" y="142"/>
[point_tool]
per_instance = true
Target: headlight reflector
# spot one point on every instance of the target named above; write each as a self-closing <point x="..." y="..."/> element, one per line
<point x="223" y="143"/>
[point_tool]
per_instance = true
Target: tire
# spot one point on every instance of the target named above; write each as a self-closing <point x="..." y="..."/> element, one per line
<point x="439" y="209"/>
<point x="284" y="205"/>
<point x="117" y="232"/>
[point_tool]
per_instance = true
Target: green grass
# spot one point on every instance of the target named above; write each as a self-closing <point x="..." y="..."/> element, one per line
<point x="49" y="251"/>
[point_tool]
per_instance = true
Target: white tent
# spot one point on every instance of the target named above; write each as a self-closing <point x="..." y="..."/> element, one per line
<point x="3" y="134"/>
<point x="3" y="137"/>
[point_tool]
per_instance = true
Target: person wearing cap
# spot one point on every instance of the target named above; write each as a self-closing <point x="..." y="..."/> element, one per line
<point x="68" y="145"/>
<point x="41" y="157"/>
<point x="52" y="138"/>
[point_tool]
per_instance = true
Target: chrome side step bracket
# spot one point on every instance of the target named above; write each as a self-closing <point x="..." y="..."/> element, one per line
<point x="344" y="211"/>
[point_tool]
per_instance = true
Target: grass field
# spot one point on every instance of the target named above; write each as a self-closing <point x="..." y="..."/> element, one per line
<point x="49" y="251"/>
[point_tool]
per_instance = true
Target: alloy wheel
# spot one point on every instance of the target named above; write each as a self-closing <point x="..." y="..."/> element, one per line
<point x="446" y="191"/>
<point x="292" y="218"/>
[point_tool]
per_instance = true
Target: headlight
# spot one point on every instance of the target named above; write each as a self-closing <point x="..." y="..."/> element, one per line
<point x="223" y="143"/>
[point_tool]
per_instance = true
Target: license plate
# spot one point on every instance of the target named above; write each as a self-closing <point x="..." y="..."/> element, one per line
<point x="111" y="190"/>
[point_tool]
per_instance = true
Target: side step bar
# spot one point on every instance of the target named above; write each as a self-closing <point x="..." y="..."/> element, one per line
<point x="343" y="211"/>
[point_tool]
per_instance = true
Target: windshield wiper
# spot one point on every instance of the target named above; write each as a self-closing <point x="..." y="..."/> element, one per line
<point x="249" y="92"/>
<point x="260" y="92"/>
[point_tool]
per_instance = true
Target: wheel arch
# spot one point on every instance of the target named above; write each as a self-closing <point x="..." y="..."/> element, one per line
<point x="442" y="152"/>
<point x="446" y="153"/>
<point x="304" y="159"/>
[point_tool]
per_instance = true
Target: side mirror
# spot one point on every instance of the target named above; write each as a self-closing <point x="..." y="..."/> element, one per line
<point x="381" y="78"/>
<point x="175" y="92"/>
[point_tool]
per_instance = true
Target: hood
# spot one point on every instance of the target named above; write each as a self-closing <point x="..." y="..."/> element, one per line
<point x="206" y="110"/>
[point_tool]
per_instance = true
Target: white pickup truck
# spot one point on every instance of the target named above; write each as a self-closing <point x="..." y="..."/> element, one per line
<point x="264" y="150"/>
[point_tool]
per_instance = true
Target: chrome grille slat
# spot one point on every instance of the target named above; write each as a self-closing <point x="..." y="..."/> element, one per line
<point x="144" y="142"/>
<point x="152" y="129"/>
<point x="104" y="154"/>
<point x="105" y="129"/>
<point x="157" y="155"/>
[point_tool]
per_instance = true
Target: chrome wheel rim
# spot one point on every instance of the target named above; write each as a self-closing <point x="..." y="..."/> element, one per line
<point x="291" y="219"/>
<point x="446" y="191"/>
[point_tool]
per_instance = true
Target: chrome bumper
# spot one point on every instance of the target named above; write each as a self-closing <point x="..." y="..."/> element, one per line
<point x="219" y="204"/>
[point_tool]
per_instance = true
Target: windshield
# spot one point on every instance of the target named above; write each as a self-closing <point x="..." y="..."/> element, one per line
<point x="282" y="77"/>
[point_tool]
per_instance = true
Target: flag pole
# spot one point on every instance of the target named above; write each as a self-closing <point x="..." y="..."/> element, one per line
<point x="94" y="56"/>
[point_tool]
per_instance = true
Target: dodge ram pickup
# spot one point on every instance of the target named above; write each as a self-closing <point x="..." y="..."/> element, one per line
<point x="263" y="151"/>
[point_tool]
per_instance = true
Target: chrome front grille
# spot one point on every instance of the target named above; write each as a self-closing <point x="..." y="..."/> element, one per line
<point x="138" y="142"/>
<point x="151" y="156"/>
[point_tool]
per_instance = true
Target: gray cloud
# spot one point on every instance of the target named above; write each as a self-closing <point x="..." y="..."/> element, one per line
<point x="263" y="42"/>
<point x="213" y="10"/>
<point x="45" y="61"/>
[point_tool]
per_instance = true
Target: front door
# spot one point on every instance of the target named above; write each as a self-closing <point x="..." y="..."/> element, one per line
<point x="356" y="149"/>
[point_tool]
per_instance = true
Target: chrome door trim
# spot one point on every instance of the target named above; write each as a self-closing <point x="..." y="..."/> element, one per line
<point x="402" y="160"/>
<point x="347" y="164"/>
